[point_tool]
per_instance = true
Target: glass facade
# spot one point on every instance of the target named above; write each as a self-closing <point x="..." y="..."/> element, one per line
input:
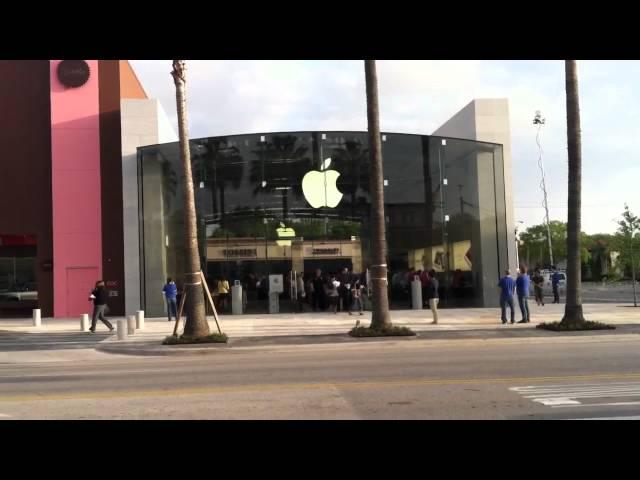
<point x="18" y="286"/>
<point x="292" y="203"/>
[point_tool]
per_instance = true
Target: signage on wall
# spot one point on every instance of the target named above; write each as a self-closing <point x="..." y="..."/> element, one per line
<point x="240" y="252"/>
<point x="73" y="73"/>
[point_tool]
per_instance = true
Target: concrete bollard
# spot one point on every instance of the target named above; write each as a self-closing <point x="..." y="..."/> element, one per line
<point x="416" y="295"/>
<point x="236" y="300"/>
<point x="37" y="320"/>
<point x="84" y="322"/>
<point x="140" y="319"/>
<point x="122" y="329"/>
<point x="131" y="325"/>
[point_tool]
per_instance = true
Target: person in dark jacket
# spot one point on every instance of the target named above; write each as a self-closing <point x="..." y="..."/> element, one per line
<point x="170" y="292"/>
<point x="432" y="295"/>
<point x="99" y="297"/>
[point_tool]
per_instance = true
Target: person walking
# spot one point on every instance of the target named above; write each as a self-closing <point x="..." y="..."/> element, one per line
<point x="319" y="296"/>
<point x="170" y="292"/>
<point x="222" y="290"/>
<point x="555" y="283"/>
<point x="356" y="297"/>
<point x="538" y="283"/>
<point x="300" y="293"/>
<point x="99" y="297"/>
<point x="523" y="283"/>
<point x="432" y="293"/>
<point x="345" y="289"/>
<point x="507" y="285"/>
<point x="333" y="294"/>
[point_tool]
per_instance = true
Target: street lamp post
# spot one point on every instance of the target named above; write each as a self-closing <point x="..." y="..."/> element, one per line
<point x="540" y="121"/>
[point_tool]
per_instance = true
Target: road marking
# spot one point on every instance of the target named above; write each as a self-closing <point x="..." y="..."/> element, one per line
<point x="635" y="417"/>
<point x="4" y="415"/>
<point x="558" y="396"/>
<point x="164" y="392"/>
<point x="613" y="404"/>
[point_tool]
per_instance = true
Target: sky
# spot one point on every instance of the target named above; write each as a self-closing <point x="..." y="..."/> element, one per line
<point x="242" y="96"/>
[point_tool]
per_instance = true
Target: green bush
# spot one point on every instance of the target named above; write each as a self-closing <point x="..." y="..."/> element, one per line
<point x="570" y="327"/>
<point x="183" y="339"/>
<point x="385" y="332"/>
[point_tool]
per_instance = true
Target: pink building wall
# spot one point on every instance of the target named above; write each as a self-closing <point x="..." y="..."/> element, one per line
<point x="75" y="152"/>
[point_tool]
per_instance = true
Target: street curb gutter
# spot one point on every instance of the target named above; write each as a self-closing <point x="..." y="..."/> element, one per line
<point x="246" y="344"/>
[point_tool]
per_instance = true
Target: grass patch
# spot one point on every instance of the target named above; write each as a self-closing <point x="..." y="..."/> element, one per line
<point x="574" y="327"/>
<point x="184" y="340"/>
<point x="385" y="332"/>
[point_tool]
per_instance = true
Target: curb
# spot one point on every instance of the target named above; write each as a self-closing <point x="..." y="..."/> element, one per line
<point x="238" y="345"/>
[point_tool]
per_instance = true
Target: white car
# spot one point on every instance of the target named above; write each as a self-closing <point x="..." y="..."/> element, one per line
<point x="19" y="294"/>
<point x="547" y="288"/>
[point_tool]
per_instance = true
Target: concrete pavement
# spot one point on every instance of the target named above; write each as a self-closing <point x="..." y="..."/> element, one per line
<point x="19" y="341"/>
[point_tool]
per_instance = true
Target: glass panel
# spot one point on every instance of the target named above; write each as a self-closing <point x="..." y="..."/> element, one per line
<point x="299" y="201"/>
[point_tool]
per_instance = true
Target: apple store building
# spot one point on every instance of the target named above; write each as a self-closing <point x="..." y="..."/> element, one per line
<point x="293" y="203"/>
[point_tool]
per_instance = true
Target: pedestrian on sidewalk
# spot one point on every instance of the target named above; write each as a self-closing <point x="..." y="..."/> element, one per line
<point x="538" y="283"/>
<point x="300" y="293"/>
<point x="99" y="297"/>
<point x="356" y="296"/>
<point x="523" y="283"/>
<point x="507" y="286"/>
<point x="555" y="282"/>
<point x="432" y="295"/>
<point x="170" y="292"/>
<point x="333" y="294"/>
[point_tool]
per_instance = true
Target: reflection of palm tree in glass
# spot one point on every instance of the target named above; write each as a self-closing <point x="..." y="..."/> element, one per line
<point x="352" y="155"/>
<point x="275" y="168"/>
<point x="169" y="182"/>
<point x="219" y="166"/>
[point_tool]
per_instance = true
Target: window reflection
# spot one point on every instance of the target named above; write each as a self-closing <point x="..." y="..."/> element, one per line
<point x="444" y="206"/>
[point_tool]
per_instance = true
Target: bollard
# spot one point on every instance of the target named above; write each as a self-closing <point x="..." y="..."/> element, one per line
<point x="122" y="329"/>
<point x="140" y="320"/>
<point x="131" y="325"/>
<point x="416" y="295"/>
<point x="36" y="317"/>
<point x="236" y="300"/>
<point x="84" y="322"/>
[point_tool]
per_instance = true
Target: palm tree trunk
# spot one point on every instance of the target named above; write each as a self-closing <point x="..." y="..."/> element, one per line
<point x="196" y="325"/>
<point x="573" y="307"/>
<point x="380" y="315"/>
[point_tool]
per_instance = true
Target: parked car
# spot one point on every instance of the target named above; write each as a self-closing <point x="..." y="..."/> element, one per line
<point x="19" y="293"/>
<point x="547" y="288"/>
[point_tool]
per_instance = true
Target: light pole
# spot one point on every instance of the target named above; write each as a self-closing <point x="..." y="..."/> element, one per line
<point x="540" y="121"/>
<point x="518" y="244"/>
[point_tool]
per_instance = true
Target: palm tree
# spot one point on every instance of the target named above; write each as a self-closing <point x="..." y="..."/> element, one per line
<point x="275" y="164"/>
<point x="380" y="318"/>
<point x="573" y="308"/>
<point x="196" y="325"/>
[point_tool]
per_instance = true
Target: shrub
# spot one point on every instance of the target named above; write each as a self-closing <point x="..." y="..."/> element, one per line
<point x="570" y="327"/>
<point x="392" y="331"/>
<point x="183" y="340"/>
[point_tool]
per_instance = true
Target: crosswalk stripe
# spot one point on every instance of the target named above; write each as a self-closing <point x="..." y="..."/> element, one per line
<point x="564" y="396"/>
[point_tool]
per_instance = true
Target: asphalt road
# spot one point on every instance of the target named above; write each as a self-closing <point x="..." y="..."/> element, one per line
<point x="612" y="293"/>
<point x="517" y="378"/>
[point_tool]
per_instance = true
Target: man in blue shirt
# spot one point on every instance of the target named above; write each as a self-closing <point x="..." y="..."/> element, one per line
<point x="170" y="292"/>
<point x="523" y="284"/>
<point x="555" y="281"/>
<point x="507" y="285"/>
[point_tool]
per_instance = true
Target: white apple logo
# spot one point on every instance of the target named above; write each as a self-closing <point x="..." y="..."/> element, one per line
<point x="319" y="187"/>
<point x="283" y="234"/>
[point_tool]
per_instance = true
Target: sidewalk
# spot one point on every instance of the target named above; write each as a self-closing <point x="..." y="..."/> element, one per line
<point x="246" y="331"/>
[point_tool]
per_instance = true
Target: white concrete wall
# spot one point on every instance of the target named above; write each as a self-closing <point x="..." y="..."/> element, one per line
<point x="144" y="122"/>
<point x="487" y="120"/>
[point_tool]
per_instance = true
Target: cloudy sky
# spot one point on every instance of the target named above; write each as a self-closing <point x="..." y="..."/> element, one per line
<point x="234" y="97"/>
